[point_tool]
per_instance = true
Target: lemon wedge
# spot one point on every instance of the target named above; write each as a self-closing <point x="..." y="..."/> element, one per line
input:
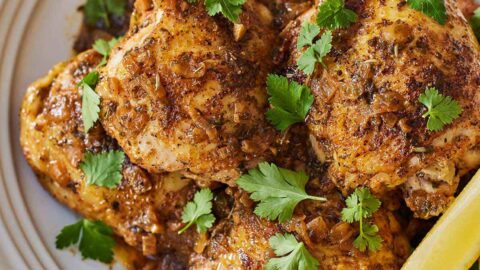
<point x="454" y="242"/>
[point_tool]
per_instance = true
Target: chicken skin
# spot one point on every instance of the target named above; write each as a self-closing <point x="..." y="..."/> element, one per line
<point x="366" y="121"/>
<point x="185" y="92"/>
<point x="144" y="210"/>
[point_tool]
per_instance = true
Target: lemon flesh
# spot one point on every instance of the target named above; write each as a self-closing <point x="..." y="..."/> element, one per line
<point x="454" y="242"/>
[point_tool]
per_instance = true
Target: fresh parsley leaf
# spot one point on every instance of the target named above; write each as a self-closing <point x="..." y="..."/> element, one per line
<point x="90" y="100"/>
<point x="103" y="169"/>
<point x="94" y="239"/>
<point x="293" y="255"/>
<point x="96" y="10"/>
<point x="368" y="238"/>
<point x="442" y="110"/>
<point x="290" y="101"/>
<point x="308" y="32"/>
<point x="104" y="48"/>
<point x="278" y="190"/>
<point x="475" y="23"/>
<point x="432" y="8"/>
<point x="199" y="212"/>
<point x="332" y="14"/>
<point x="362" y="204"/>
<point x="230" y="9"/>
<point x="315" y="54"/>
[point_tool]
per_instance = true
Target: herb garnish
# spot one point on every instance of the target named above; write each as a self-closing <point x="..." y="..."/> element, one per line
<point x="361" y="204"/>
<point x="277" y="190"/>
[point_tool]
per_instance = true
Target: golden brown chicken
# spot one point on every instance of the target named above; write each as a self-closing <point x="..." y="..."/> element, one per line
<point x="366" y="121"/>
<point x="184" y="91"/>
<point x="144" y="209"/>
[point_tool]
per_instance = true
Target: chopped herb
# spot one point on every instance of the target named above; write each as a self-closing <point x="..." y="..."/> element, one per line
<point x="293" y="254"/>
<point x="332" y="14"/>
<point x="199" y="211"/>
<point x="442" y="110"/>
<point x="94" y="239"/>
<point x="104" y="48"/>
<point x="290" y="101"/>
<point x="103" y="169"/>
<point x="90" y="100"/>
<point x="278" y="190"/>
<point x="96" y="10"/>
<point x="361" y="204"/>
<point x="432" y="8"/>
<point x="315" y="54"/>
<point x="230" y="9"/>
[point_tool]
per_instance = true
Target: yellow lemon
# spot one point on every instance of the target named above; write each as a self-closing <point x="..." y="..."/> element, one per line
<point x="454" y="241"/>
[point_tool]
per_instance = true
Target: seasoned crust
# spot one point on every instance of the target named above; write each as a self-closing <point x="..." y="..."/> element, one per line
<point x="181" y="94"/>
<point x="366" y="119"/>
<point x="143" y="210"/>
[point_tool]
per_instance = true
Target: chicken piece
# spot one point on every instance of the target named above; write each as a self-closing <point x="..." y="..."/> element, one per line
<point x="145" y="210"/>
<point x="240" y="241"/>
<point x="185" y="92"/>
<point x="366" y="121"/>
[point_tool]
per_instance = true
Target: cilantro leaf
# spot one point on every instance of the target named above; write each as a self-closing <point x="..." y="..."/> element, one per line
<point x="90" y="100"/>
<point x="294" y="254"/>
<point x="442" y="110"/>
<point x="230" y="9"/>
<point x="278" y="190"/>
<point x="475" y="23"/>
<point x="315" y="54"/>
<point x="308" y="32"/>
<point x="332" y="14"/>
<point x="362" y="204"/>
<point x="94" y="239"/>
<point x="290" y="101"/>
<point x="104" y="47"/>
<point x="199" y="211"/>
<point x="368" y="238"/>
<point x="96" y="10"/>
<point x="432" y="8"/>
<point x="103" y="169"/>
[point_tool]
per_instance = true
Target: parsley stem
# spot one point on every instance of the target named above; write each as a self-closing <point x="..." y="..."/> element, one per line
<point x="322" y="199"/>
<point x="186" y="227"/>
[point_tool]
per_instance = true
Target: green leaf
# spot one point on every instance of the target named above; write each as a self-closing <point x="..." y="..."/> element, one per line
<point x="198" y="211"/>
<point x="368" y="238"/>
<point x="315" y="54"/>
<point x="442" y="110"/>
<point x="90" y="100"/>
<point x="432" y="8"/>
<point x="307" y="61"/>
<point x="94" y="238"/>
<point x="104" y="48"/>
<point x="308" y="32"/>
<point x="475" y="23"/>
<point x="294" y="254"/>
<point x="290" y="101"/>
<point x="230" y="9"/>
<point x="103" y="169"/>
<point x="277" y="190"/>
<point x="96" y="10"/>
<point x="362" y="204"/>
<point x="332" y="14"/>
<point x="70" y="235"/>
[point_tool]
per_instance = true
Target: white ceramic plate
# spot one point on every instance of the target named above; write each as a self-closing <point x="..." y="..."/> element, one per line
<point x="34" y="35"/>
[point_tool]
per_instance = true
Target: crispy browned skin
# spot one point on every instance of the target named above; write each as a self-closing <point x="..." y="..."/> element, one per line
<point x="366" y="121"/>
<point x="144" y="210"/>
<point x="184" y="91"/>
<point x="240" y="241"/>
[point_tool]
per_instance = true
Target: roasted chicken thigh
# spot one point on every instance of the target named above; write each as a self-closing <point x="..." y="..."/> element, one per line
<point x="184" y="91"/>
<point x="367" y="122"/>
